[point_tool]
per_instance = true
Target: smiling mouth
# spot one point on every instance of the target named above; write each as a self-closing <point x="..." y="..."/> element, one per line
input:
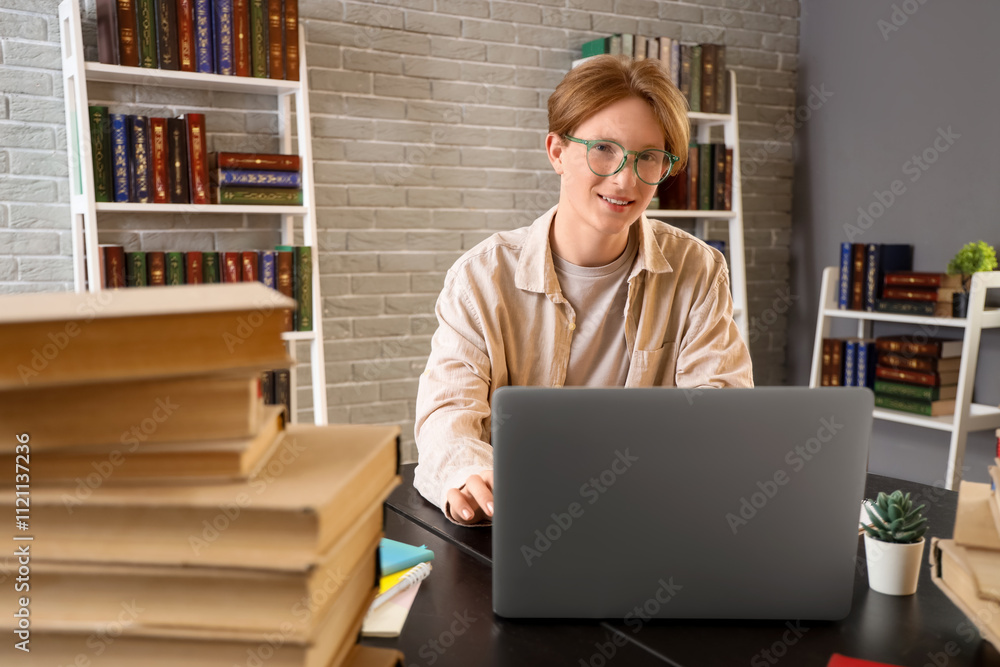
<point x="617" y="202"/>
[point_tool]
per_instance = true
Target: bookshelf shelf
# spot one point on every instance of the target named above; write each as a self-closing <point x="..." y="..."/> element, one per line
<point x="969" y="417"/>
<point x="297" y="222"/>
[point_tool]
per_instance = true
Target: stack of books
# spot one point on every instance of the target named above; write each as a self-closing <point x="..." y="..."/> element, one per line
<point x="255" y="178"/>
<point x="848" y="362"/>
<point x="918" y="376"/>
<point x="916" y="293"/>
<point x="863" y="268"/>
<point x="166" y="511"/>
<point x="967" y="567"/>
<point x="706" y="184"/>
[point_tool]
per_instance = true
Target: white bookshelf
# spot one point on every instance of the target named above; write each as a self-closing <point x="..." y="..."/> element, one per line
<point x="78" y="73"/>
<point x="969" y="417"/>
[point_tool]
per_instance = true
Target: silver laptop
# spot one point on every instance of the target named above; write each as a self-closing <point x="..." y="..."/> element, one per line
<point x="677" y="503"/>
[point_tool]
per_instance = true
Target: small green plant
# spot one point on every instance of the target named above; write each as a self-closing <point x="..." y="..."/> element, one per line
<point x="972" y="258"/>
<point x="894" y="519"/>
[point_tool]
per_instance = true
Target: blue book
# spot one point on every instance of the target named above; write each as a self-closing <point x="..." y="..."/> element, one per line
<point x="204" y="52"/>
<point x="880" y="259"/>
<point x="120" y="170"/>
<point x="267" y="268"/>
<point x="850" y="369"/>
<point x="223" y="36"/>
<point x="273" y="179"/>
<point x="866" y="363"/>
<point x="844" y="282"/>
<point x="140" y="160"/>
<point x="394" y="556"/>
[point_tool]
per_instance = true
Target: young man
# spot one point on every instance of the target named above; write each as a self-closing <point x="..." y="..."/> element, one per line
<point x="593" y="293"/>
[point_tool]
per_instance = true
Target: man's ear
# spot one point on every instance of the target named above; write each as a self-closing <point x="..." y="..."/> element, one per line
<point x="554" y="147"/>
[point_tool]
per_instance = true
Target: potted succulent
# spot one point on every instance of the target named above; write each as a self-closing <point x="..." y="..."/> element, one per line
<point x="894" y="543"/>
<point x="972" y="258"/>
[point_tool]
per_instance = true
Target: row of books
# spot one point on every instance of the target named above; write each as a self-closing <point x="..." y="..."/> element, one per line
<point x="916" y="376"/>
<point x="169" y="506"/>
<point x="287" y="269"/>
<point x="698" y="70"/>
<point x="706" y="184"/>
<point x="867" y="269"/>
<point x="257" y="38"/>
<point x="144" y="159"/>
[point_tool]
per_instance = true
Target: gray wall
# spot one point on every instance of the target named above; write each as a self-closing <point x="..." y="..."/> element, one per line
<point x="893" y="90"/>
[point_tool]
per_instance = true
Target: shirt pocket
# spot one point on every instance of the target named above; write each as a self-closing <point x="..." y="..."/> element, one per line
<point x="654" y="368"/>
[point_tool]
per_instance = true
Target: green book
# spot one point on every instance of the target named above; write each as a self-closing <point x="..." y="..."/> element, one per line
<point x="210" y="267"/>
<point x="259" y="195"/>
<point x="705" y="165"/>
<point x="258" y="39"/>
<point x="914" y="391"/>
<point x="594" y="47"/>
<point x="100" y="148"/>
<point x="695" y="100"/>
<point x="913" y="406"/>
<point x="135" y="269"/>
<point x="175" y="268"/>
<point x="146" y="19"/>
<point x="302" y="268"/>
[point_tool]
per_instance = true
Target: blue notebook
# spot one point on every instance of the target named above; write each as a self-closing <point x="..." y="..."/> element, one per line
<point x="395" y="556"/>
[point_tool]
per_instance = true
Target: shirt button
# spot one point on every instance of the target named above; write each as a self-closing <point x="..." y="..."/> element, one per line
<point x="572" y="326"/>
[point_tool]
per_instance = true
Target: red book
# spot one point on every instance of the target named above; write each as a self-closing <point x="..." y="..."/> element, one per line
<point x="195" y="274"/>
<point x="250" y="271"/>
<point x="292" y="40"/>
<point x="275" y="32"/>
<point x="692" y="184"/>
<point x="919" y="279"/>
<point x="241" y="36"/>
<point x="231" y="267"/>
<point x="185" y="35"/>
<point x="156" y="265"/>
<point x="916" y="377"/>
<point x="910" y="294"/>
<point x="925" y="364"/>
<point x="837" y="660"/>
<point x="197" y="157"/>
<point x="922" y="347"/>
<point x="128" y="36"/>
<point x="263" y="161"/>
<point x="113" y="259"/>
<point x="284" y="270"/>
<point x="728" y="196"/>
<point x="158" y="154"/>
<point x="858" y="276"/>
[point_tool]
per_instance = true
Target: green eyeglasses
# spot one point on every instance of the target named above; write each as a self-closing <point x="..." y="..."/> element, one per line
<point x="607" y="158"/>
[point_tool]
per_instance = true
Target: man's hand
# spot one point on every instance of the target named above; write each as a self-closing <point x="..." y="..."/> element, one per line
<point x="473" y="501"/>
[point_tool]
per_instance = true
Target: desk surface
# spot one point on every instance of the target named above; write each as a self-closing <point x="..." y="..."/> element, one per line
<point x="452" y="622"/>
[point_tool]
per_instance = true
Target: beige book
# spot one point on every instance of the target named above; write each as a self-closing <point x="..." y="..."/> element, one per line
<point x="955" y="573"/>
<point x="87" y="467"/>
<point x="63" y="338"/>
<point x="131" y="412"/>
<point x="302" y="501"/>
<point x="974" y="524"/>
<point x="369" y="656"/>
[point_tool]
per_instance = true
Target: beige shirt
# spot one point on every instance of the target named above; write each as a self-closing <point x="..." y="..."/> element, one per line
<point x="503" y="320"/>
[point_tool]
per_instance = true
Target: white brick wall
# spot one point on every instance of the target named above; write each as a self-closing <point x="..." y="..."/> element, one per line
<point x="429" y="122"/>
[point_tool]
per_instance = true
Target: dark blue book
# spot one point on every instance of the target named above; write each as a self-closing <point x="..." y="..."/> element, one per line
<point x="268" y="269"/>
<point x="140" y="160"/>
<point x="120" y="170"/>
<point x="273" y="179"/>
<point x="223" y="36"/>
<point x="850" y="363"/>
<point x="204" y="45"/>
<point x="844" y="280"/>
<point x="880" y="259"/>
<point x="865" y="361"/>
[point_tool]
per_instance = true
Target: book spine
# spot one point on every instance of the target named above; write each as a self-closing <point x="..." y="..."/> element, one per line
<point x="292" y="40"/>
<point x="825" y="364"/>
<point x="302" y="261"/>
<point x="159" y="155"/>
<point x="267" y="269"/>
<point x="858" y="277"/>
<point x="705" y="168"/>
<point x="592" y="48"/>
<point x="908" y="348"/>
<point x="685" y="72"/>
<point x="907" y="294"/>
<point x="175" y="268"/>
<point x="866" y="363"/>
<point x="210" y="267"/>
<point x="193" y="273"/>
<point x="923" y="364"/>
<point x="100" y="147"/>
<point x="696" y="82"/>
<point x="675" y="62"/>
<point x="721" y="80"/>
<point x="114" y="266"/>
<point x="248" y="261"/>
<point x="241" y="37"/>
<point x="146" y="17"/>
<point x="283" y="390"/>
<point x="204" y="43"/>
<point x="223" y="35"/>
<point x="693" y="170"/>
<point x="274" y="179"/>
<point x="615" y="45"/>
<point x="913" y="377"/>
<point x="231" y="270"/>
<point x="837" y="363"/>
<point x="185" y="36"/>
<point x="156" y="262"/>
<point x="128" y="34"/>
<point x="871" y="276"/>
<point x="850" y="366"/>
<point x="275" y="33"/>
<point x="122" y="172"/>
<point x="259" y="161"/>
<point x="708" y="78"/>
<point x="916" y="280"/>
<point x="197" y="157"/>
<point x="141" y="173"/>
<point x="897" y="403"/>
<point x="107" y="32"/>
<point x="727" y="197"/>
<point x="844" y="277"/>
<point x="135" y="269"/>
<point x="628" y="44"/>
<point x="719" y="177"/>
<point x="258" y="38"/>
<point x="904" y="307"/>
<point x="284" y="271"/>
<point x="166" y="32"/>
<point x="906" y="390"/>
<point x="239" y="195"/>
<point x="267" y="387"/>
<point x="177" y="157"/>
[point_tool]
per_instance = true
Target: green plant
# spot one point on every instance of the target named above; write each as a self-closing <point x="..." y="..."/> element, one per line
<point x="894" y="519"/>
<point x="973" y="258"/>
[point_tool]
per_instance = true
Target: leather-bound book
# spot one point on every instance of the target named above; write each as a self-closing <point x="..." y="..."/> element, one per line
<point x="721" y="80"/>
<point x="241" y="37"/>
<point x="193" y="264"/>
<point x="231" y="269"/>
<point x="160" y="156"/>
<point x="100" y="148"/>
<point x="177" y="158"/>
<point x="292" y="40"/>
<point x="222" y="28"/>
<point x="156" y="263"/>
<point x="197" y="157"/>
<point x="135" y="269"/>
<point x="175" y="268"/>
<point x="113" y="259"/>
<point x="285" y="282"/>
<point x="258" y="38"/>
<point x="204" y="42"/>
<point x="210" y="267"/>
<point x="166" y="34"/>
<point x="121" y="172"/>
<point x="249" y="264"/>
<point x="708" y="78"/>
<point x="185" y="36"/>
<point x="266" y="161"/>
<point x="139" y="160"/>
<point x="302" y="261"/>
<point x="283" y="391"/>
<point x="146" y="20"/>
<point x="128" y="34"/>
<point x="268" y="274"/>
<point x="727" y="197"/>
<point x="275" y="38"/>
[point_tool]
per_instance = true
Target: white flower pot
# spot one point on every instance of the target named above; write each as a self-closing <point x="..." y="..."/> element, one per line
<point x="893" y="569"/>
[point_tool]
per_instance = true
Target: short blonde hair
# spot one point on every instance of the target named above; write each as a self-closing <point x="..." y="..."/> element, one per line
<point x="603" y="80"/>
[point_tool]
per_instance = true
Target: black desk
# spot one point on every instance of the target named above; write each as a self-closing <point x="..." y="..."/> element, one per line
<point x="452" y="622"/>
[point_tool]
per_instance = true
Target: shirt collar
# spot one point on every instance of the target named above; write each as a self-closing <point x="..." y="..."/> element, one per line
<point x="536" y="272"/>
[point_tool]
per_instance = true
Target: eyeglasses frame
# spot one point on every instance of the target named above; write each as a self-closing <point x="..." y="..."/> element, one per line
<point x="625" y="153"/>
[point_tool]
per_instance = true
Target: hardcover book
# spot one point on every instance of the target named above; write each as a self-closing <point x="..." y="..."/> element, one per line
<point x="291" y="37"/>
<point x="113" y="259"/>
<point x="844" y="283"/>
<point x="258" y="38"/>
<point x="156" y="262"/>
<point x="121" y="169"/>
<point x="142" y="177"/>
<point x="107" y="32"/>
<point x="922" y="279"/>
<point x="696" y="79"/>
<point x="210" y="267"/>
<point x="255" y="161"/>
<point x="708" y="78"/>
<point x="257" y="178"/>
<point x="197" y="157"/>
<point x="249" y="264"/>
<point x="241" y="37"/>
<point x="914" y="391"/>
<point x="721" y="80"/>
<point x="128" y="33"/>
<point x="933" y="379"/>
<point x="268" y="274"/>
<point x="177" y="159"/>
<point x="920" y="346"/>
<point x="204" y="40"/>
<point x="223" y="36"/>
<point x="257" y="195"/>
<point x="938" y="408"/>
<point x="881" y="259"/>
<point x="193" y="273"/>
<point x="146" y="17"/>
<point x="283" y="391"/>
<point x="159" y="159"/>
<point x="911" y="307"/>
<point x="275" y="38"/>
<point x="100" y="146"/>
<point x="135" y="269"/>
<point x="166" y="33"/>
<point x="175" y="268"/>
<point x="185" y="36"/>
<point x="923" y="364"/>
<point x="284" y="272"/>
<point x="302" y="263"/>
